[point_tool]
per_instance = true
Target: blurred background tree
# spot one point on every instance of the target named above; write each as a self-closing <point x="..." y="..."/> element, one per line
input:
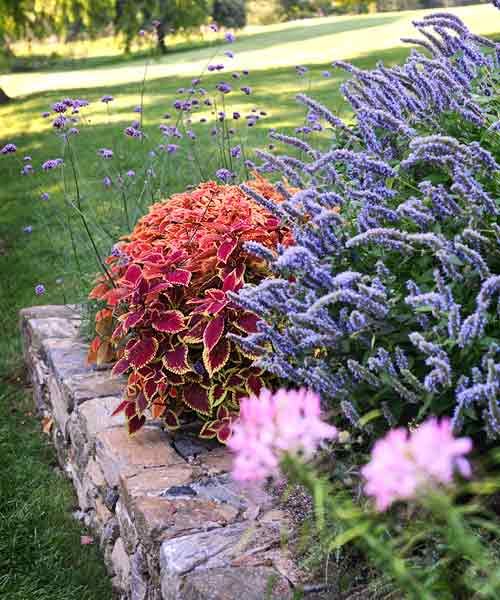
<point x="230" y="13"/>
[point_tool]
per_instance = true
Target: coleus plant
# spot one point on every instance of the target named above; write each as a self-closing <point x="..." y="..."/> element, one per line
<point x="167" y="313"/>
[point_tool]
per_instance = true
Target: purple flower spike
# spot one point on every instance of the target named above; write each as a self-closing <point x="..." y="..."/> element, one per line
<point x="223" y="88"/>
<point x="133" y="132"/>
<point x="107" y="99"/>
<point x="28" y="229"/>
<point x="53" y="163"/>
<point x="229" y="37"/>
<point x="9" y="149"/>
<point x="59" y="107"/>
<point x="105" y="153"/>
<point x="229" y="54"/>
<point x="40" y="289"/>
<point x="130" y="173"/>
<point x="236" y="151"/>
<point x="106" y="182"/>
<point x="246" y="90"/>
<point x="172" y="148"/>
<point x="44" y="196"/>
<point x="213" y="27"/>
<point x="225" y="175"/>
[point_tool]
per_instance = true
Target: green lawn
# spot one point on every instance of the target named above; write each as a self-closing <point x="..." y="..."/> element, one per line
<point x="40" y="552"/>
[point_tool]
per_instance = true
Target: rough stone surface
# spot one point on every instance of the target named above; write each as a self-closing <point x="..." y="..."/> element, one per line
<point x="257" y="583"/>
<point x="171" y="523"/>
<point x="119" y="454"/>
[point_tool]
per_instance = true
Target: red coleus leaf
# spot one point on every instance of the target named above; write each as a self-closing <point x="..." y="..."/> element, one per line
<point x="142" y="352"/>
<point x="135" y="424"/>
<point x="132" y="319"/>
<point x="233" y="281"/>
<point x="196" y="397"/>
<point x="171" y="420"/>
<point x="169" y="321"/>
<point x="132" y="275"/>
<point x="247" y="322"/>
<point x="178" y="277"/>
<point x="120" y="408"/>
<point x="226" y="249"/>
<point x="150" y="388"/>
<point x="216" y="395"/>
<point x="213" y="332"/>
<point x="194" y="334"/>
<point x="175" y="360"/>
<point x="224" y="432"/>
<point x="216" y="359"/>
<point x="120" y="367"/>
<point x="222" y="413"/>
<point x="254" y="384"/>
<point x="141" y="403"/>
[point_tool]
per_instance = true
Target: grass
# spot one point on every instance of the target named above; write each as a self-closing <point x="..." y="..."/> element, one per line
<point x="40" y="553"/>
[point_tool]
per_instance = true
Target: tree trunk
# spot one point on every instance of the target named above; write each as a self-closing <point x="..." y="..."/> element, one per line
<point x="3" y="97"/>
<point x="161" y="34"/>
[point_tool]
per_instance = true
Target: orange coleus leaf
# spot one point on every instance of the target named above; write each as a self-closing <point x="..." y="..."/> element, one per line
<point x="158" y="407"/>
<point x="169" y="321"/>
<point x="93" y="348"/>
<point x="213" y="332"/>
<point x="196" y="397"/>
<point x="99" y="291"/>
<point x="105" y="353"/>
<point x="175" y="360"/>
<point x="142" y="352"/>
<point x="215" y="359"/>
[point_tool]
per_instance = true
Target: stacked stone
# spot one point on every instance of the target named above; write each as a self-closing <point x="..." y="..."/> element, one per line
<point x="171" y="523"/>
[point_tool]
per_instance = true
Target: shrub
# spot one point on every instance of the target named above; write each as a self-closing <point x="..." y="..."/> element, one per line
<point x="390" y="310"/>
<point x="230" y="13"/>
<point x="167" y="313"/>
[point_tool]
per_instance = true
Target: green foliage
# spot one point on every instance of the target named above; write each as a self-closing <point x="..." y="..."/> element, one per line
<point x="230" y="13"/>
<point x="445" y="546"/>
<point x="169" y="15"/>
<point x="40" y="552"/>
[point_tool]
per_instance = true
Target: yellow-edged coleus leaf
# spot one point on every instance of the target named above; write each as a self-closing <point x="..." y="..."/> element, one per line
<point x="196" y="327"/>
<point x="196" y="397"/>
<point x="120" y="367"/>
<point x="142" y="352"/>
<point x="216" y="395"/>
<point x="169" y="321"/>
<point x="176" y="360"/>
<point x="206" y="432"/>
<point x="171" y="420"/>
<point x="217" y="358"/>
<point x="213" y="332"/>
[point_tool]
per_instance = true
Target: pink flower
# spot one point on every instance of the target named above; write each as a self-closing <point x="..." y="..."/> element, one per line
<point x="403" y="463"/>
<point x="272" y="425"/>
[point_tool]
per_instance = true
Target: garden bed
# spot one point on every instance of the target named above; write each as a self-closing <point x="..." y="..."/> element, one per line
<point x="169" y="520"/>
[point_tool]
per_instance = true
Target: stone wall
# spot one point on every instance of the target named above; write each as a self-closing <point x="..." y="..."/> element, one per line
<point x="171" y="523"/>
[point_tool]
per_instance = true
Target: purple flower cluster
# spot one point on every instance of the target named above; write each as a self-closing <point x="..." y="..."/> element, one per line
<point x="393" y="280"/>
